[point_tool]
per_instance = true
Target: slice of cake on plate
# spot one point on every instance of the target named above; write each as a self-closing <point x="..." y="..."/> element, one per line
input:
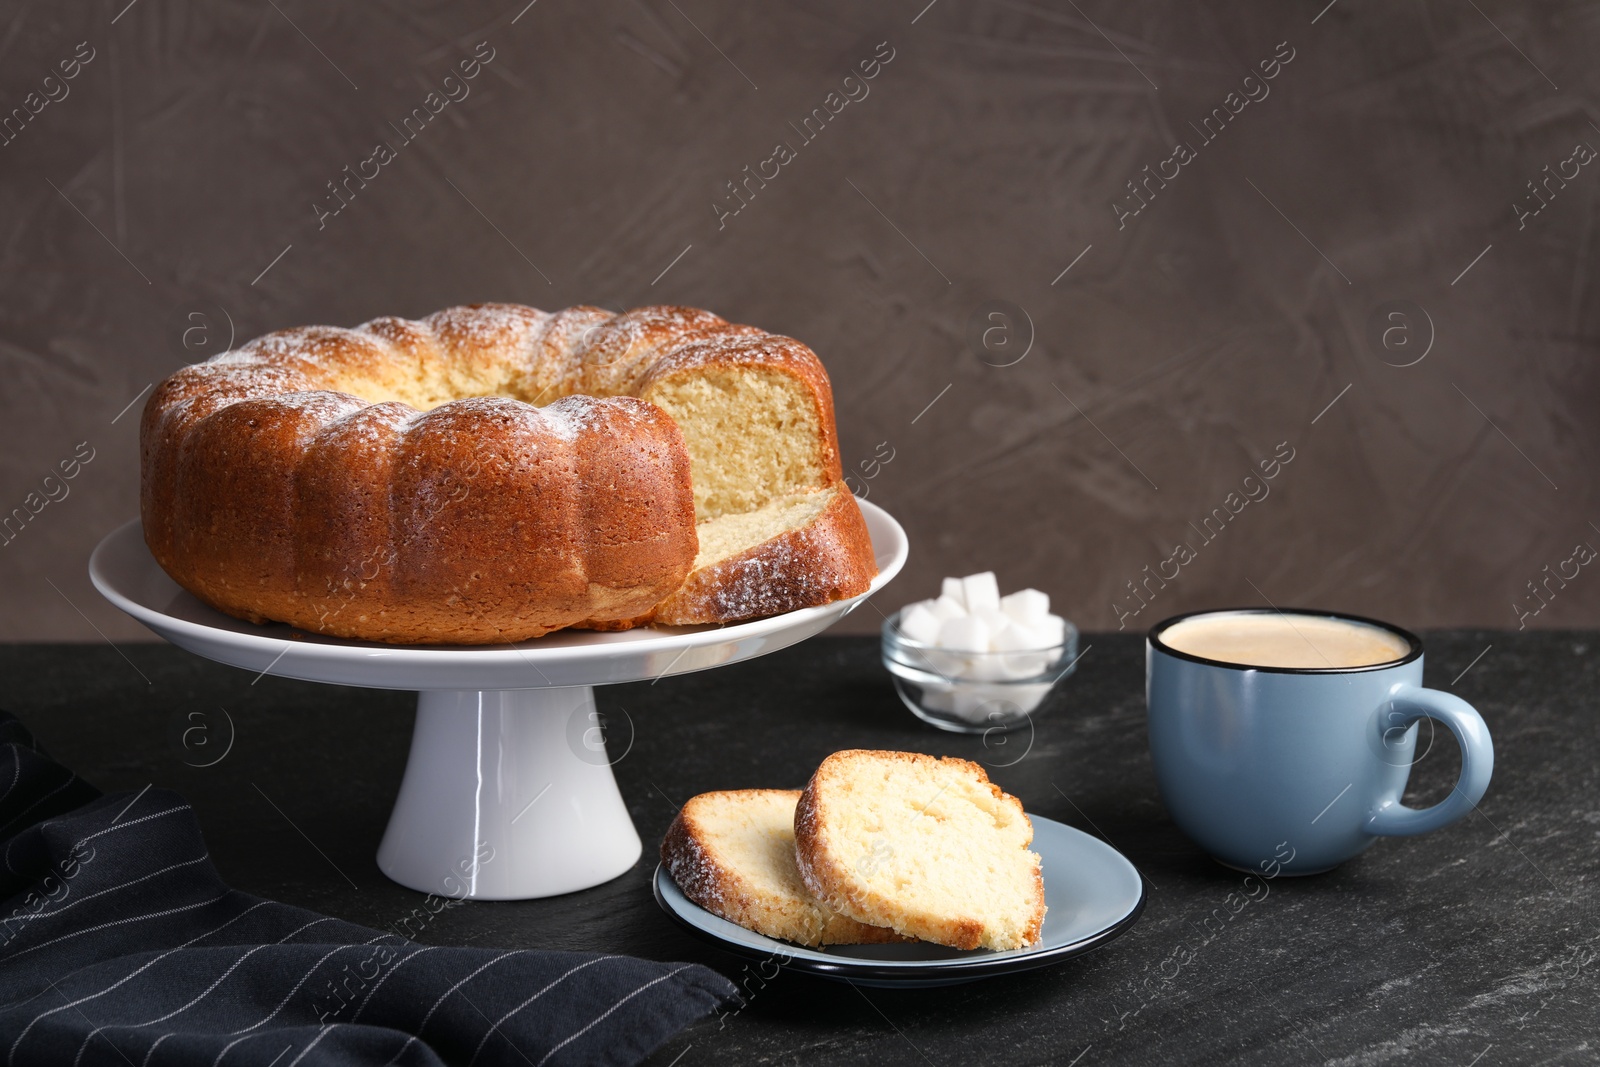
<point x="927" y="847"/>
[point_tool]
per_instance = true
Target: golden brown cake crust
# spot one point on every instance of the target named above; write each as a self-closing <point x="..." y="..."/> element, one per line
<point x="278" y="482"/>
<point x="830" y="877"/>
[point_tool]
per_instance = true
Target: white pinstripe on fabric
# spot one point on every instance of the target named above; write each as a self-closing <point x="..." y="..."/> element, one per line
<point x="301" y="929"/>
<point x="320" y="1035"/>
<point x="496" y="1024"/>
<point x="601" y="1017"/>
<point x="123" y="825"/>
<point x="287" y="996"/>
<point x="445" y="995"/>
<point x="82" y="840"/>
<point x="48" y="823"/>
<point x="280" y="941"/>
<point x="412" y="1040"/>
<point x="11" y="1055"/>
<point x="158" y="959"/>
<point x="116" y="922"/>
<point x="152" y="1050"/>
<point x="176" y="1011"/>
<point x="113" y="889"/>
<point x="385" y="978"/>
<point x="232" y="1043"/>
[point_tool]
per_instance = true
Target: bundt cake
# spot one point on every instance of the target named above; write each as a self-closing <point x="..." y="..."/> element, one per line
<point x="492" y="473"/>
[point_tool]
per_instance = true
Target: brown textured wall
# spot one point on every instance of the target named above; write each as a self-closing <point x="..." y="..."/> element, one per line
<point x="166" y="201"/>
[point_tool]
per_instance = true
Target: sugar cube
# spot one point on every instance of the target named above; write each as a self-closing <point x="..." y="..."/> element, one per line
<point x="947" y="608"/>
<point x="983" y="703"/>
<point x="1024" y="641"/>
<point x="947" y="665"/>
<point x="919" y="623"/>
<point x="964" y="634"/>
<point x="1049" y="632"/>
<point x="987" y="668"/>
<point x="980" y="591"/>
<point x="951" y="587"/>
<point x="996" y="620"/>
<point x="995" y="704"/>
<point x="1027" y="606"/>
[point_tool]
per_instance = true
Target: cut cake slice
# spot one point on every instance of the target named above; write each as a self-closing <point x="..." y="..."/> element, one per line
<point x="927" y="847"/>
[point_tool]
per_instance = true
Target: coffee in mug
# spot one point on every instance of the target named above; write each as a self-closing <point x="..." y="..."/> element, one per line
<point x="1292" y="732"/>
<point x="1274" y="639"/>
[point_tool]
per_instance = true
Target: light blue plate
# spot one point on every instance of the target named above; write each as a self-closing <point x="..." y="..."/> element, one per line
<point x="1093" y="894"/>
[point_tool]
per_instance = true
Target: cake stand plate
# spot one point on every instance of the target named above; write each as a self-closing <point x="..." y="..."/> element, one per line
<point x="508" y="792"/>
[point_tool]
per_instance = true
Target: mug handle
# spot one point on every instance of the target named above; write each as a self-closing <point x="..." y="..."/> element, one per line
<point x="1410" y="703"/>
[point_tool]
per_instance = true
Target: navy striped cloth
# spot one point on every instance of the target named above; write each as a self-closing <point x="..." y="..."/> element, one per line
<point x="119" y="944"/>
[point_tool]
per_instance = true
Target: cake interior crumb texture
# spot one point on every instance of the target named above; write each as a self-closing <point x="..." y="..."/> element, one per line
<point x="756" y="838"/>
<point x="729" y="534"/>
<point x="753" y="835"/>
<point x="769" y="415"/>
<point x="947" y="850"/>
<point x="733" y="853"/>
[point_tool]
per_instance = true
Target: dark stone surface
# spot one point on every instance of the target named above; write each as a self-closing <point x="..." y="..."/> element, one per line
<point x="1477" y="944"/>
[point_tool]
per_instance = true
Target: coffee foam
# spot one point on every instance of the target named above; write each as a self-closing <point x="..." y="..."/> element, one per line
<point x="1263" y="639"/>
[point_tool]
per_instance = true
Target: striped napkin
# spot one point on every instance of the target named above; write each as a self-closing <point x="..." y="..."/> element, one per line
<point x="120" y="945"/>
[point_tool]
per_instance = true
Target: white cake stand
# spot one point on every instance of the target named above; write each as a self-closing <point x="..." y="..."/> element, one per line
<point x="508" y="792"/>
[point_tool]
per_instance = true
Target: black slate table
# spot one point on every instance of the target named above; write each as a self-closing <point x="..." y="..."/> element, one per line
<point x="1479" y="944"/>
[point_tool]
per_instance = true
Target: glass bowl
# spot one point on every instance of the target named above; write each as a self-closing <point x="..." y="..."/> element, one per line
<point x="974" y="692"/>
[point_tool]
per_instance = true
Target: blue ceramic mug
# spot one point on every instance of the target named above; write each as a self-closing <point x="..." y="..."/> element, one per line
<point x="1258" y="763"/>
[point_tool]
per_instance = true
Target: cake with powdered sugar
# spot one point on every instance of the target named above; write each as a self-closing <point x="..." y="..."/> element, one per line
<point x="492" y="473"/>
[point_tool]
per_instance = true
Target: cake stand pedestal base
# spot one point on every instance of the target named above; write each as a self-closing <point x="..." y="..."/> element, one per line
<point x="508" y="794"/>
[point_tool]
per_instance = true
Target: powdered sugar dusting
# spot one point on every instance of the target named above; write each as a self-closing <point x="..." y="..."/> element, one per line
<point x="312" y="411"/>
<point x="753" y="347"/>
<point x="559" y="420"/>
<point x="805" y="566"/>
<point x="565" y="419"/>
<point x="584" y="414"/>
<point x="576" y="348"/>
<point x="234" y="357"/>
<point x="501" y="407"/>
<point x="502" y="336"/>
<point x="789" y="569"/>
<point x="371" y="425"/>
<point x="658" y="322"/>
<point x="319" y="403"/>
